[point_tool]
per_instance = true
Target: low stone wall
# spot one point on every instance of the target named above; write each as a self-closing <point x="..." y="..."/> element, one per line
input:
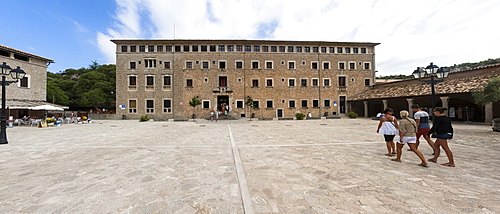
<point x="105" y="117"/>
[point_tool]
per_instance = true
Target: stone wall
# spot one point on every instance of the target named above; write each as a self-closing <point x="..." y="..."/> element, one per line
<point x="36" y="71"/>
<point x="105" y="116"/>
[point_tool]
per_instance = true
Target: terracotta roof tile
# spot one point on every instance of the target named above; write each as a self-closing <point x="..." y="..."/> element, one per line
<point x="412" y="88"/>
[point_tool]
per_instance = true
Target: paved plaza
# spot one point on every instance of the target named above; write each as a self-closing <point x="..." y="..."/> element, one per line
<point x="241" y="166"/>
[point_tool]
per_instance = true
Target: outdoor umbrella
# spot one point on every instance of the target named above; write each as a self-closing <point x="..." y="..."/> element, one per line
<point x="47" y="108"/>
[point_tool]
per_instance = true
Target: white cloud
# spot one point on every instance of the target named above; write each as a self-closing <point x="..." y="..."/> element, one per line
<point x="106" y="47"/>
<point x="411" y="33"/>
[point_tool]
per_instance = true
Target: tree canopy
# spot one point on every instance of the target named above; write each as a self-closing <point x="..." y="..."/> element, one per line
<point x="490" y="93"/>
<point x="468" y="65"/>
<point x="92" y="87"/>
<point x="455" y="67"/>
<point x="194" y="102"/>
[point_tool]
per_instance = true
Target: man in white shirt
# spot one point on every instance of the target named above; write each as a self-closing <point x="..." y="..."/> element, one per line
<point x="422" y="119"/>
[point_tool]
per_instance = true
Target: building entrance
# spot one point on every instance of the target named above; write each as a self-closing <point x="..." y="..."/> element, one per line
<point x="222" y="100"/>
<point x="342" y="102"/>
<point x="279" y="113"/>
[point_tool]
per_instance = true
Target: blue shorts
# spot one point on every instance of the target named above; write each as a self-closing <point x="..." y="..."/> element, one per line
<point x="444" y="136"/>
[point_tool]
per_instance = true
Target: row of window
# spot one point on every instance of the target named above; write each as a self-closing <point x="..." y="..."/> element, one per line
<point x="254" y="64"/>
<point x="269" y="82"/>
<point x="242" y="48"/>
<point x="167" y="104"/>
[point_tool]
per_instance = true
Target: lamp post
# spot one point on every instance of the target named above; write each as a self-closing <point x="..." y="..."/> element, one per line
<point x="16" y="74"/>
<point x="432" y="71"/>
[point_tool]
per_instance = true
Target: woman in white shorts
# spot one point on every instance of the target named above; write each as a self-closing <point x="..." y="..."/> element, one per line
<point x="407" y="130"/>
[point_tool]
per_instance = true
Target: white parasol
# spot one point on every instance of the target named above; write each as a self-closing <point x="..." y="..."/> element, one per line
<point x="47" y="108"/>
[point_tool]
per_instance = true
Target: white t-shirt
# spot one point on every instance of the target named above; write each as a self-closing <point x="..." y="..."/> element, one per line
<point x="424" y="119"/>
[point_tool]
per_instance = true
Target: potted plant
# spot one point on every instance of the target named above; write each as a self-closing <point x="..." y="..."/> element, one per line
<point x="144" y="118"/>
<point x="250" y="103"/>
<point x="193" y="103"/>
<point x="50" y="121"/>
<point x="352" y="115"/>
<point x="300" y="116"/>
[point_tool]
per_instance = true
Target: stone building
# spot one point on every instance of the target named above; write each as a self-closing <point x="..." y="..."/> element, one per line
<point x="454" y="93"/>
<point x="31" y="90"/>
<point x="158" y="78"/>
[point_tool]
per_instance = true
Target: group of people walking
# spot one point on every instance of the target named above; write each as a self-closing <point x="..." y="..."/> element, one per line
<point x="410" y="130"/>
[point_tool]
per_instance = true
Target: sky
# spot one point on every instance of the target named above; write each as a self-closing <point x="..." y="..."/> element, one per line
<point x="412" y="33"/>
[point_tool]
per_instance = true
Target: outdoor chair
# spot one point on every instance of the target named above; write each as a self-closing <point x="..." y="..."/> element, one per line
<point x="20" y="122"/>
<point x="32" y="122"/>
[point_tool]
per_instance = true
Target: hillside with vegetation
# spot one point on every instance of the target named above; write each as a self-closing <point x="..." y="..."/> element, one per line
<point x="455" y="67"/>
<point x="469" y="65"/>
<point x="93" y="87"/>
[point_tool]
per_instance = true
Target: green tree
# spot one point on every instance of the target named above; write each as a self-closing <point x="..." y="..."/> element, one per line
<point x="251" y="104"/>
<point x="94" y="65"/>
<point x="193" y="103"/>
<point x="490" y="93"/>
<point x="85" y="87"/>
<point x="94" y="98"/>
<point x="469" y="65"/>
<point x="96" y="87"/>
<point x="56" y="95"/>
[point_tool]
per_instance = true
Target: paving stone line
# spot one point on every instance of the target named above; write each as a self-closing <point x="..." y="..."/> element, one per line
<point x="245" y="194"/>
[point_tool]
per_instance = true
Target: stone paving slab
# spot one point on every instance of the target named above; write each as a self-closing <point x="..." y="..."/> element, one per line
<point x="340" y="168"/>
<point x="317" y="166"/>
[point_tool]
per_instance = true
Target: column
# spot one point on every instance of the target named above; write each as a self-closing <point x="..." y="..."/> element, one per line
<point x="410" y="103"/>
<point x="366" y="108"/>
<point x="444" y="100"/>
<point x="385" y="104"/>
<point x="488" y="113"/>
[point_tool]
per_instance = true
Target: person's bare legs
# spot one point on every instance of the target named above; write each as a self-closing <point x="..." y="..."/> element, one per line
<point x="430" y="142"/>
<point x="446" y="148"/>
<point x="417" y="143"/>
<point x="399" y="152"/>
<point x="437" y="151"/>
<point x="393" y="146"/>
<point x="389" y="148"/>
<point x="413" y="147"/>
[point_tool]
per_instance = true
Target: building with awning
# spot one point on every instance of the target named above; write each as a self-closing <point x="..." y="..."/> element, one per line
<point x="32" y="108"/>
<point x="31" y="91"/>
<point x="454" y="93"/>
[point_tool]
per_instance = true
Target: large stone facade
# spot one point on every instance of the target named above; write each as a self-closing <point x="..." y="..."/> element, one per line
<point x="158" y="78"/>
<point x="33" y="87"/>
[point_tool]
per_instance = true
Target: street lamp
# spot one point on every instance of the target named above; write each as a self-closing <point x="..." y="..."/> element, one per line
<point x="431" y="70"/>
<point x="16" y="74"/>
